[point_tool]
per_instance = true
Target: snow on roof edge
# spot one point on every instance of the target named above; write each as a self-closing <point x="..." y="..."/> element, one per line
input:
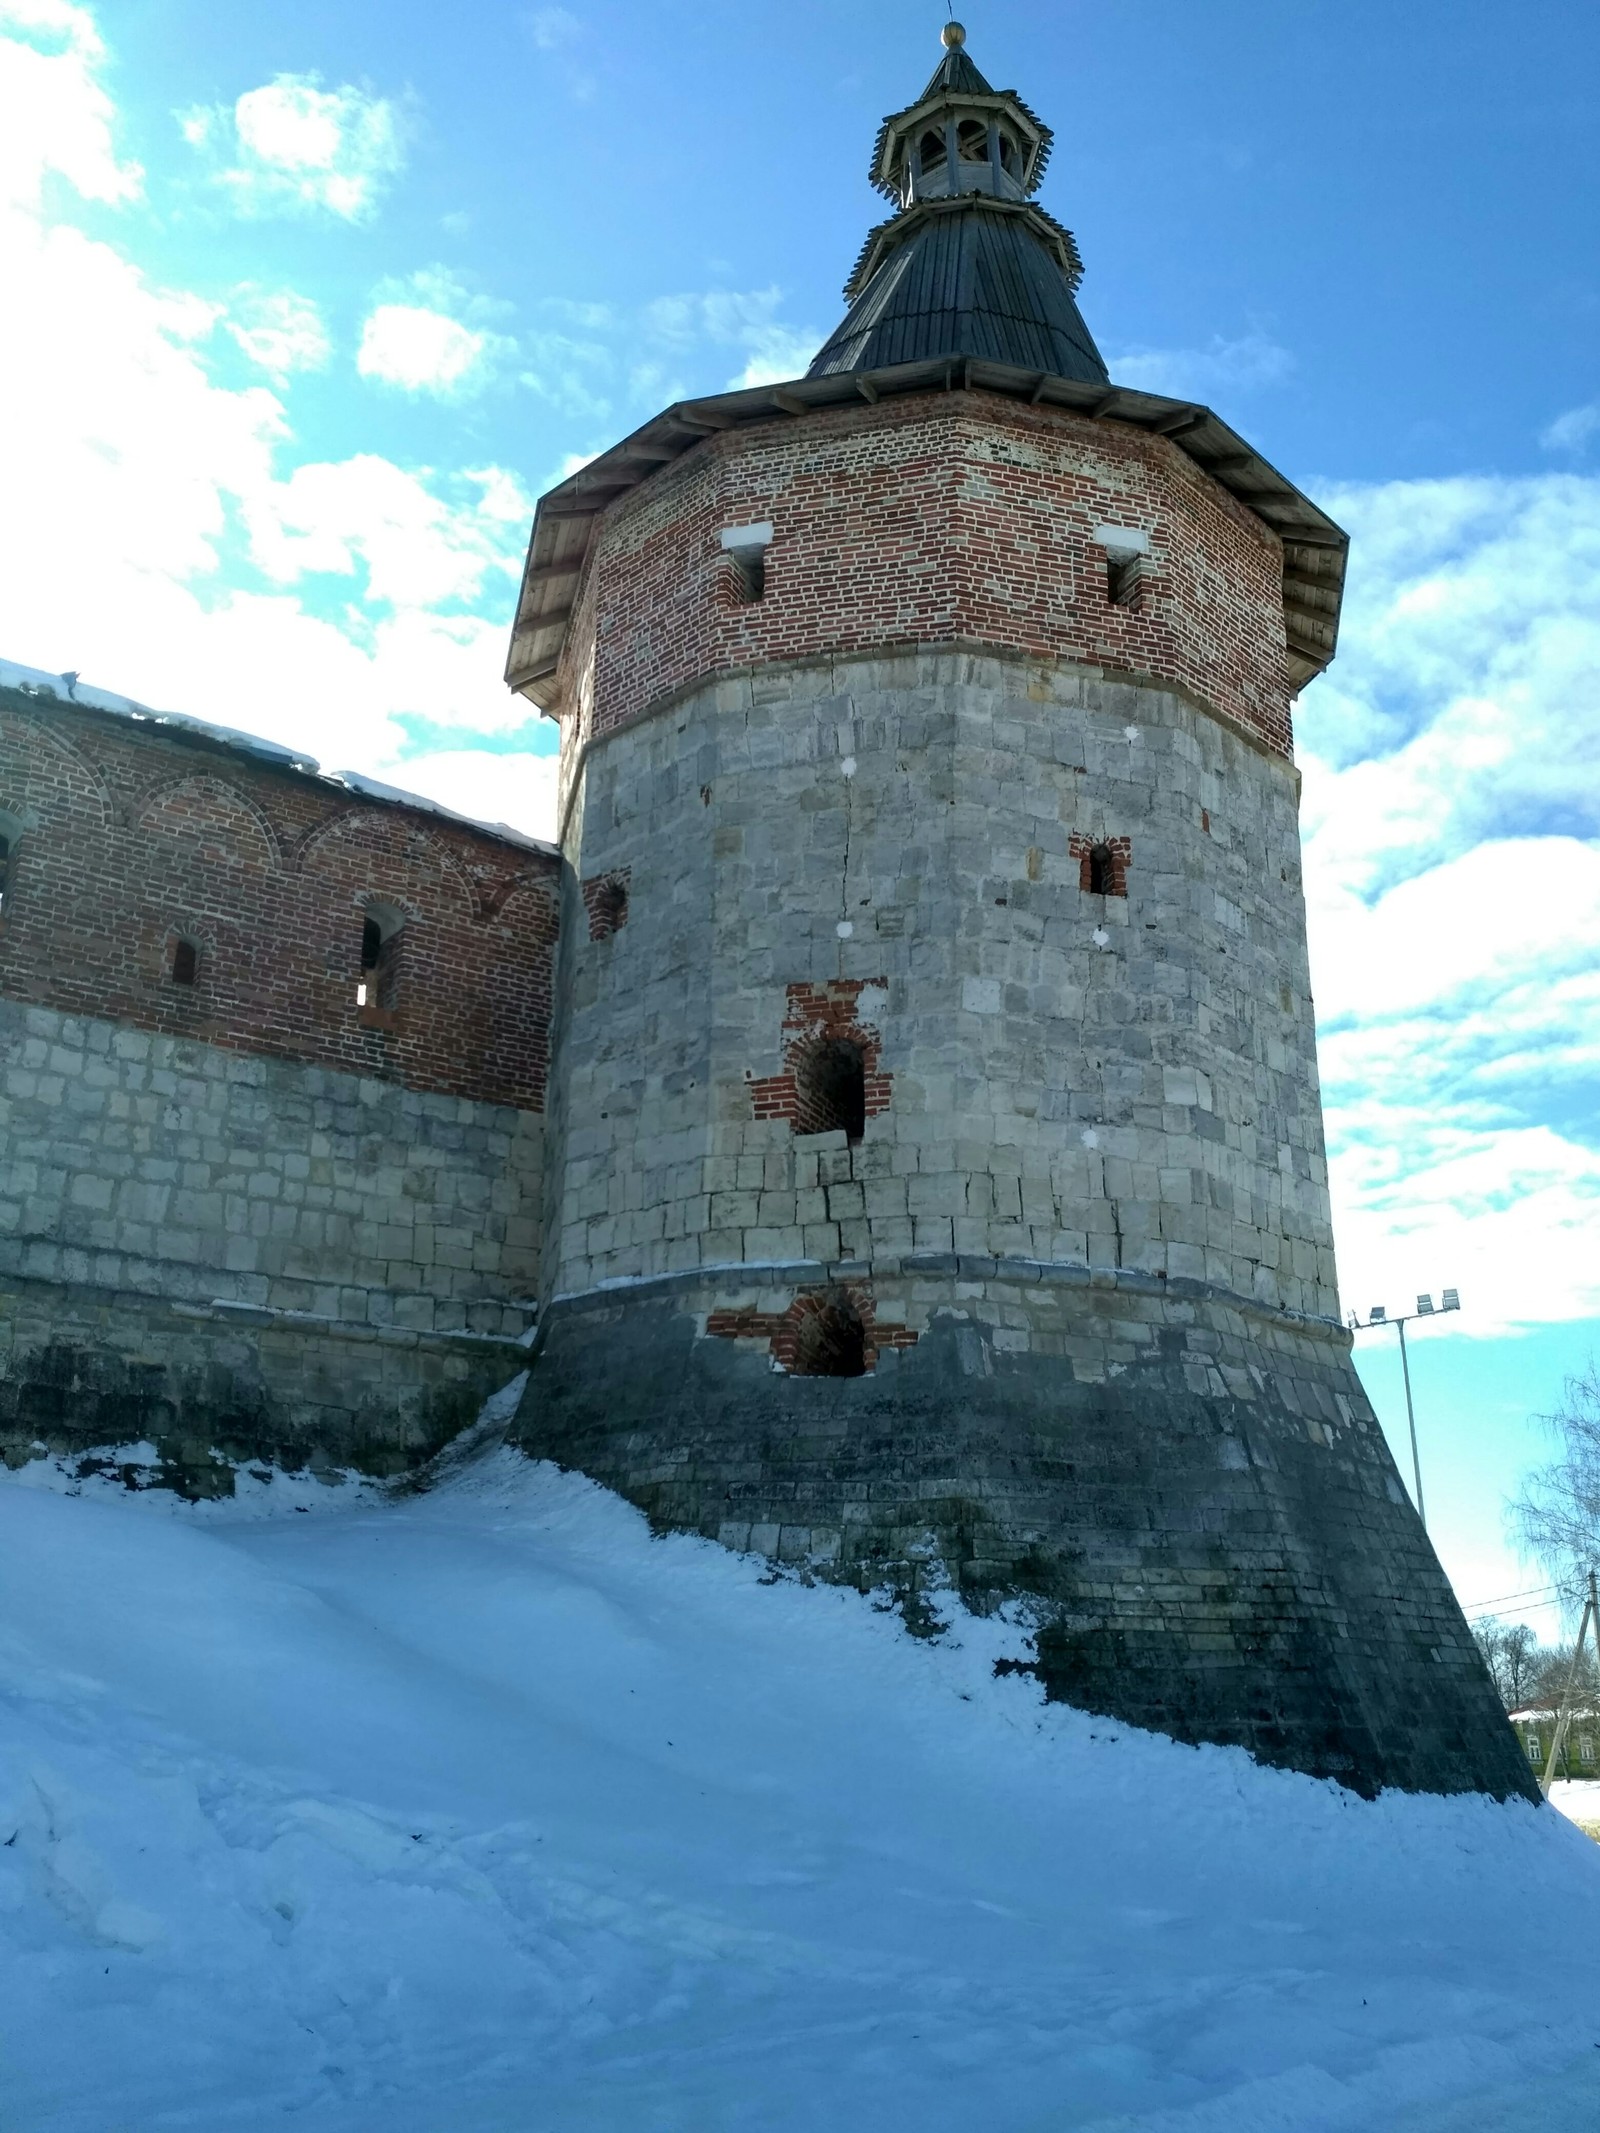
<point x="67" y="688"/>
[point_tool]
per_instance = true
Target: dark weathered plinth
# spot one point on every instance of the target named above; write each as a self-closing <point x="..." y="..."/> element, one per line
<point x="1207" y="1530"/>
<point x="86" y="1373"/>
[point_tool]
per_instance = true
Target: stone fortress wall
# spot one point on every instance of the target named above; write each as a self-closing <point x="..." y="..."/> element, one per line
<point x="1056" y="1324"/>
<point x="242" y="1209"/>
<point x="1123" y="1079"/>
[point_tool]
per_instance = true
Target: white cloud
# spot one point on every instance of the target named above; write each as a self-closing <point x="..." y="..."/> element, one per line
<point x="419" y="350"/>
<point x="1452" y="820"/>
<point x="293" y="145"/>
<point x="165" y="535"/>
<point x="426" y="336"/>
<point x="490" y="785"/>
<point x="279" y="331"/>
<point x="1219" y="368"/>
<point x="54" y="115"/>
<point x="1572" y="431"/>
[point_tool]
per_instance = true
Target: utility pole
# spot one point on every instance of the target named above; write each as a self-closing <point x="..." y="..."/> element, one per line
<point x="1591" y="1614"/>
<point x="1378" y="1316"/>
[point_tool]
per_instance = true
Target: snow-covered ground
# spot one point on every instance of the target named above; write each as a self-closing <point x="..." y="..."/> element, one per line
<point x="483" y="1812"/>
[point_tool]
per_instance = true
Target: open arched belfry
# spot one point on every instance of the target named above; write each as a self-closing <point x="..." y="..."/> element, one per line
<point x="935" y="1189"/>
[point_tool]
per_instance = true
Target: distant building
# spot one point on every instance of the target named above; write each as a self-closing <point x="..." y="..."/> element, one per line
<point x="1580" y="1755"/>
<point x="924" y="1182"/>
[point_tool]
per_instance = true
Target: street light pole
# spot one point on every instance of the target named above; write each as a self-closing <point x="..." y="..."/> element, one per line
<point x="1411" y="1420"/>
<point x="1378" y="1316"/>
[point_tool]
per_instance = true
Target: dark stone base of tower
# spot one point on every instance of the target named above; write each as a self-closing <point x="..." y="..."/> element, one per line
<point x="1208" y="1535"/>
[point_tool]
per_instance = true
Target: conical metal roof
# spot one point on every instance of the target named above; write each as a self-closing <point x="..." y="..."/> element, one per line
<point x="973" y="277"/>
<point x="969" y="266"/>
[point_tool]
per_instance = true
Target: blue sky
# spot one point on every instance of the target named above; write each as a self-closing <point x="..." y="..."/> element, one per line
<point x="316" y="300"/>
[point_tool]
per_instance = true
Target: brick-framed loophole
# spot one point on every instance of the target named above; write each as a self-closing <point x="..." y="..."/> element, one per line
<point x="1102" y="863"/>
<point x="605" y="900"/>
<point x="832" y="1077"/>
<point x="833" y="1332"/>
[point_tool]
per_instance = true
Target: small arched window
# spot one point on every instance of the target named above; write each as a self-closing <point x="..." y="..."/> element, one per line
<point x="972" y="141"/>
<point x="1102" y="871"/>
<point x="1008" y="151"/>
<point x="608" y="908"/>
<point x="830" y="1088"/>
<point x="830" y="1341"/>
<point x="378" y="985"/>
<point x="184" y="963"/>
<point x="930" y="151"/>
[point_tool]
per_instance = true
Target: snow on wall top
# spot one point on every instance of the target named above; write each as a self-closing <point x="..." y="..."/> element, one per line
<point x="68" y="688"/>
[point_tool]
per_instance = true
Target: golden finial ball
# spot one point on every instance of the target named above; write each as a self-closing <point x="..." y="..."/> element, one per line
<point x="953" y="35"/>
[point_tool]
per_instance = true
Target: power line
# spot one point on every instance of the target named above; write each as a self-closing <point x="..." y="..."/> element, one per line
<point x="1528" y="1592"/>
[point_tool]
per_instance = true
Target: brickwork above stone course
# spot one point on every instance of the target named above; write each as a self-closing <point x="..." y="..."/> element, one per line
<point x="135" y="839"/>
<point x="926" y="519"/>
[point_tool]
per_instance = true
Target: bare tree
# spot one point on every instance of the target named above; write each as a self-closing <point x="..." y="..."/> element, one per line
<point x="1558" y="1512"/>
<point x="1511" y="1653"/>
<point x="1551" y="1672"/>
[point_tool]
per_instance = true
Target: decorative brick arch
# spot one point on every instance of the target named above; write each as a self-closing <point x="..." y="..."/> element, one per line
<point x="43" y="775"/>
<point x="213" y="816"/>
<point x="379" y="852"/>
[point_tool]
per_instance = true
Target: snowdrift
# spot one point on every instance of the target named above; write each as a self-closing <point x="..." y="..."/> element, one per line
<point x="484" y="1811"/>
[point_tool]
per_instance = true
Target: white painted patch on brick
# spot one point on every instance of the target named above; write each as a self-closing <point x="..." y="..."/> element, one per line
<point x="758" y="535"/>
<point x="844" y="929"/>
<point x="981" y="996"/>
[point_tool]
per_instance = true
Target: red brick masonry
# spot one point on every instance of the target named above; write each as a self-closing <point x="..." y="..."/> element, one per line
<point x="781" y="1330"/>
<point x="927" y="518"/>
<point x="134" y="837"/>
<point x="823" y="1010"/>
<point x="1118" y="851"/>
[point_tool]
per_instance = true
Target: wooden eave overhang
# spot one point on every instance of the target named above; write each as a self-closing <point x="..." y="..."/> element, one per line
<point x="1314" y="547"/>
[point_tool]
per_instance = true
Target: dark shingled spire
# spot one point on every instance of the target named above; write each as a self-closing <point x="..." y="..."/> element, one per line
<point x="969" y="265"/>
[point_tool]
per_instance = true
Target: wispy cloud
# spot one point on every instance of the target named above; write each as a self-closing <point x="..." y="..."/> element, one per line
<point x="1572" y="431"/>
<point x="553" y="28"/>
<point x="279" y="331"/>
<point x="293" y="146"/>
<point x="560" y="35"/>
<point x="1220" y="367"/>
<point x="593" y="360"/>
<point x="1452" y="819"/>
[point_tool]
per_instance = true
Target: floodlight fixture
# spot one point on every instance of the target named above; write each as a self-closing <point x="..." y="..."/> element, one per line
<point x="1450" y="1300"/>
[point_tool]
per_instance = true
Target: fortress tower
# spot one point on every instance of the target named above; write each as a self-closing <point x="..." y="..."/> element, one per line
<point x="935" y="1186"/>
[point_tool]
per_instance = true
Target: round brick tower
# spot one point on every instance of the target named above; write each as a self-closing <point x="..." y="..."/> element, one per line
<point x="936" y="1182"/>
